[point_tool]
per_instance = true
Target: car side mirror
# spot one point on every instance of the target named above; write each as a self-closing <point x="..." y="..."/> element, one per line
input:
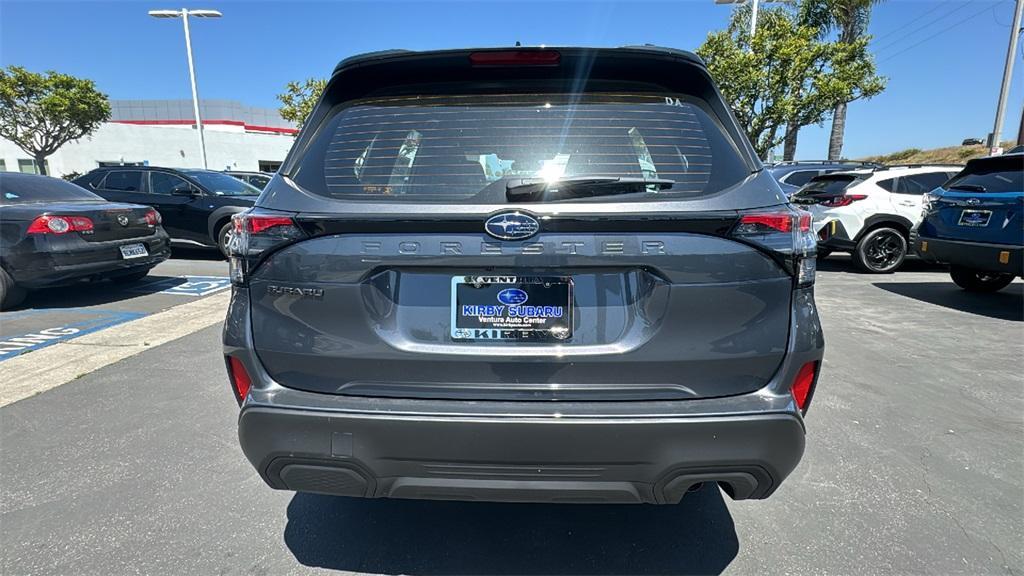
<point x="185" y="192"/>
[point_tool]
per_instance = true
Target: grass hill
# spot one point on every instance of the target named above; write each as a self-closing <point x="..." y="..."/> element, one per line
<point x="947" y="155"/>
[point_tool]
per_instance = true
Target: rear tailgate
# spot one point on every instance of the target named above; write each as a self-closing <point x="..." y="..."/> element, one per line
<point x="401" y="287"/>
<point x="987" y="218"/>
<point x="983" y="203"/>
<point x="654" y="315"/>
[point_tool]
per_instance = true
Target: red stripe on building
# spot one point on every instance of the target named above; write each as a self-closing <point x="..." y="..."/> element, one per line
<point x="248" y="127"/>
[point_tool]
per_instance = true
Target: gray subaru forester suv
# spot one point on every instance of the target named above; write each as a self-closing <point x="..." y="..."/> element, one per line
<point x="527" y="275"/>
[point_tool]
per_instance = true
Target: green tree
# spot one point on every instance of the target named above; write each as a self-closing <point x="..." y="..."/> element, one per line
<point x="784" y="77"/>
<point x="850" y="18"/>
<point x="42" y="112"/>
<point x="299" y="98"/>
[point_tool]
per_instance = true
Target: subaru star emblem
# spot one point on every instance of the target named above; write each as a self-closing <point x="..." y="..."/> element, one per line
<point x="511" y="226"/>
<point x="122" y="219"/>
<point x="512" y="296"/>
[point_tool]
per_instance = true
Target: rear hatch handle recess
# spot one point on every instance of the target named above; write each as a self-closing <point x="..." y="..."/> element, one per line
<point x="535" y="189"/>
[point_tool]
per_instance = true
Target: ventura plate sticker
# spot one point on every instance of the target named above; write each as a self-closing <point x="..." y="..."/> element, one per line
<point x="187" y="286"/>
<point x="511" y="308"/>
<point x="74" y="322"/>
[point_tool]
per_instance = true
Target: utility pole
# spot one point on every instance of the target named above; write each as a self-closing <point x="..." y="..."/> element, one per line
<point x="753" y="17"/>
<point x="1004" y="91"/>
<point x="184" y="14"/>
<point x="754" y="6"/>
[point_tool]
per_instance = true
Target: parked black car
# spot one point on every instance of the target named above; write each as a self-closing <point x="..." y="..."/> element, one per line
<point x="257" y="179"/>
<point x="54" y="233"/>
<point x="196" y="205"/>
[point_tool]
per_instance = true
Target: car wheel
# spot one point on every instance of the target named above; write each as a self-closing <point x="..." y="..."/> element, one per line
<point x="880" y="251"/>
<point x="10" y="294"/>
<point x="224" y="238"/>
<point x="977" y="281"/>
<point x="133" y="277"/>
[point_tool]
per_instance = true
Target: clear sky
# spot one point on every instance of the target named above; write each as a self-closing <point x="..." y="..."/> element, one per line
<point x="944" y="58"/>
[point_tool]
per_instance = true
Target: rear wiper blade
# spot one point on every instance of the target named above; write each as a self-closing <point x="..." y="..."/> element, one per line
<point x="968" y="187"/>
<point x="530" y="189"/>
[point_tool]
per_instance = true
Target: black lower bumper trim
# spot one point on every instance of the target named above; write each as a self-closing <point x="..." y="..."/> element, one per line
<point x="517" y="459"/>
<point x="996" y="258"/>
<point x="833" y="236"/>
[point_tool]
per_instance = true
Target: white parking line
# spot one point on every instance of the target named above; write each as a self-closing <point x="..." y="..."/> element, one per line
<point x="41" y="370"/>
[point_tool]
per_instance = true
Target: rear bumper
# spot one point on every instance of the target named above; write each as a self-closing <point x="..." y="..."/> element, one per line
<point x="833" y="236"/>
<point x="635" y="451"/>
<point x="519" y="459"/>
<point x="38" y="266"/>
<point x="998" y="258"/>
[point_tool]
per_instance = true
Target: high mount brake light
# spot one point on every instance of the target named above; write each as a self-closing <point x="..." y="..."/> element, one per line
<point x="845" y="200"/>
<point x="516" y="58"/>
<point x="60" y="225"/>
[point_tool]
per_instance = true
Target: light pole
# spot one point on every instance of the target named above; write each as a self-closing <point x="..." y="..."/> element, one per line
<point x="1004" y="90"/>
<point x="184" y="15"/>
<point x="754" y="4"/>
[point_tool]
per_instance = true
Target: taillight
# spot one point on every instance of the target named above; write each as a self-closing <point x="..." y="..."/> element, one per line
<point x="240" y="380"/>
<point x="840" y="201"/>
<point x="259" y="224"/>
<point x="761" y="223"/>
<point x="803" y="385"/>
<point x="516" y="58"/>
<point x="253" y="235"/>
<point x="786" y="233"/>
<point x="60" y="225"/>
<point x="153" y="218"/>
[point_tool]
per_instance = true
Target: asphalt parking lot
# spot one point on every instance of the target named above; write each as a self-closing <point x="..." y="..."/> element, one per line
<point x="913" y="464"/>
<point x="62" y="314"/>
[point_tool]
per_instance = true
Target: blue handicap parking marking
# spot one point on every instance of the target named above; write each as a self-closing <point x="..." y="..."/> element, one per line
<point x="185" y="286"/>
<point x="81" y="322"/>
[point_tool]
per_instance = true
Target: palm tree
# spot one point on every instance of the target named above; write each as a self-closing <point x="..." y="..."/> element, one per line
<point x="850" y="18"/>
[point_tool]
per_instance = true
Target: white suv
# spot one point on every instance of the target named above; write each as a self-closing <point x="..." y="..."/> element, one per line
<point x="870" y="212"/>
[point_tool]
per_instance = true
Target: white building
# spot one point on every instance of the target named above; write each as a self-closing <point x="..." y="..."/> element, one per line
<point x="163" y="133"/>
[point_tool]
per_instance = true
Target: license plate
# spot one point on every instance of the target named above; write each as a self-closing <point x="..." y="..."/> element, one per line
<point x="133" y="251"/>
<point x="511" y="308"/>
<point x="975" y="217"/>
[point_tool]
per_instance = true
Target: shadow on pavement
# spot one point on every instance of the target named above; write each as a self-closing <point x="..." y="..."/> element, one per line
<point x="210" y="254"/>
<point x="843" y="263"/>
<point x="94" y="293"/>
<point x="1004" y="305"/>
<point x="696" y="536"/>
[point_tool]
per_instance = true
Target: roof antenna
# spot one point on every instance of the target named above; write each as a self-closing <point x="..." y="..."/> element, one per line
<point x="518" y="43"/>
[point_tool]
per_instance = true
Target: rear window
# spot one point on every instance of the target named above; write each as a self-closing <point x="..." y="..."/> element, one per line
<point x="28" y="189"/>
<point x="800" y="178"/>
<point x="123" y="180"/>
<point x="829" y="184"/>
<point x="454" y="148"/>
<point x="991" y="177"/>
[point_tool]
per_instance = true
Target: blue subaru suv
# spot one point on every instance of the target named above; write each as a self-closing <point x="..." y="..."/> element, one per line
<point x="527" y="275"/>
<point x="975" y="223"/>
